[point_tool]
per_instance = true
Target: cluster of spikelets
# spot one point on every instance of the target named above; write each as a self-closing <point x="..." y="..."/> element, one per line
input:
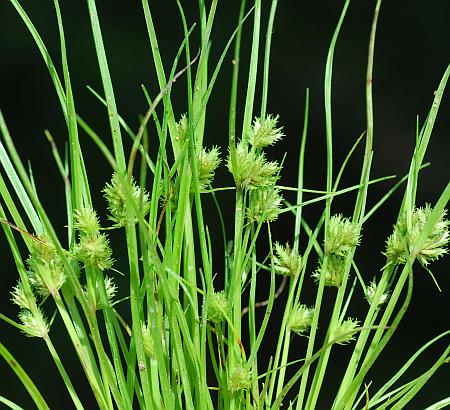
<point x="342" y="236"/>
<point x="45" y="277"/>
<point x="46" y="271"/>
<point x="253" y="172"/>
<point x="207" y="160"/>
<point x="404" y="241"/>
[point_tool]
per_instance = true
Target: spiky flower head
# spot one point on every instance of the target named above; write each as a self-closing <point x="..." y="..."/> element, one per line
<point x="110" y="288"/>
<point x="207" y="162"/>
<point x="264" y="204"/>
<point x="252" y="169"/>
<point x="370" y="294"/>
<point x="182" y="129"/>
<point x="345" y="332"/>
<point x="86" y="221"/>
<point x="121" y="206"/>
<point x="301" y="319"/>
<point x="264" y="132"/>
<point x="240" y="378"/>
<point x="19" y="298"/>
<point x="217" y="306"/>
<point x="45" y="268"/>
<point x="343" y="235"/>
<point x="147" y="340"/>
<point x="333" y="272"/>
<point x="94" y="250"/>
<point x="404" y="240"/>
<point x="287" y="261"/>
<point x="35" y="325"/>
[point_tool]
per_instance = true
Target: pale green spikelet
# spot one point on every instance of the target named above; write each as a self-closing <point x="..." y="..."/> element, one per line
<point x="265" y="132"/>
<point x="45" y="268"/>
<point x="300" y="319"/>
<point x="35" y="325"/>
<point x="343" y="235"/>
<point x="19" y="298"/>
<point x="264" y="204"/>
<point x="182" y="129"/>
<point x="345" y="332"/>
<point x="240" y="378"/>
<point x="287" y="261"/>
<point x="217" y="306"/>
<point x="207" y="163"/>
<point x="94" y="250"/>
<point x="370" y="294"/>
<point x="253" y="170"/>
<point x="334" y="271"/>
<point x="122" y="207"/>
<point x="404" y="240"/>
<point x="147" y="341"/>
<point x="86" y="221"/>
<point x="110" y="288"/>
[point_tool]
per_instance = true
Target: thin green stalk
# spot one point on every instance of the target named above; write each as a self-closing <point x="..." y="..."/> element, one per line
<point x="329" y="140"/>
<point x="63" y="373"/>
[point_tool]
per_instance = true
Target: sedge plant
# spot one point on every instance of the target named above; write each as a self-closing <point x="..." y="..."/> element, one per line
<point x="192" y="332"/>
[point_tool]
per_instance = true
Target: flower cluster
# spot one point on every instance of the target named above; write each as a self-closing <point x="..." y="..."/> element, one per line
<point x="301" y="319"/>
<point x="264" y="204"/>
<point x="404" y="241"/>
<point x="182" y="129"/>
<point x="265" y="132"/>
<point x="45" y="277"/>
<point x="207" y="163"/>
<point x="341" y="237"/>
<point x="93" y="247"/>
<point x="345" y="332"/>
<point x="240" y="378"/>
<point x="370" y="294"/>
<point x="217" y="306"/>
<point x="125" y="202"/>
<point x="287" y="261"/>
<point x="45" y="268"/>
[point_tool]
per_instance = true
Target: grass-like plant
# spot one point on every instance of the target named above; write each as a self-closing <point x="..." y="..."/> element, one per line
<point x="191" y="334"/>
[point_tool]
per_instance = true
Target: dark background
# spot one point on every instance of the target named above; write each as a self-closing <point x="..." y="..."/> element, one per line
<point x="412" y="52"/>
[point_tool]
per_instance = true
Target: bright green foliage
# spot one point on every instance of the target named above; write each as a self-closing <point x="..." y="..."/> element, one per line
<point x="171" y="341"/>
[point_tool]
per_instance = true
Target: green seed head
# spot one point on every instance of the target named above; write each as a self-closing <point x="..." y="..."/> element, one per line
<point x="301" y="319"/>
<point x="34" y="325"/>
<point x="287" y="261"/>
<point x="264" y="132"/>
<point x="207" y="162"/>
<point x="240" y="379"/>
<point x="217" y="306"/>
<point x="345" y="332"/>
<point x="343" y="236"/>
<point x="123" y="204"/>
<point x="264" y="204"/>
<point x="94" y="251"/>
<point x="333" y="272"/>
<point x="252" y="169"/>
